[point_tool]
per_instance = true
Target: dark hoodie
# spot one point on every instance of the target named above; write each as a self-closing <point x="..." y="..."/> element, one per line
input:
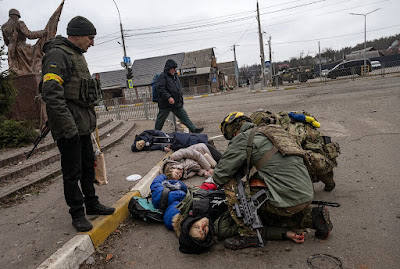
<point x="169" y="86"/>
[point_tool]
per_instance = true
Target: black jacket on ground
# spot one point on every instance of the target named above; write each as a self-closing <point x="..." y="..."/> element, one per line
<point x="169" y="86"/>
<point x="148" y="137"/>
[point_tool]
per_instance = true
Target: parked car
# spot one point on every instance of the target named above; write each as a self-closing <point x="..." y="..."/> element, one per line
<point x="375" y="64"/>
<point x="348" y="68"/>
<point x="324" y="72"/>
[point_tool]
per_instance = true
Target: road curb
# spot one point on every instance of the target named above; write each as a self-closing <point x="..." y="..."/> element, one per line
<point x="81" y="246"/>
<point x="71" y="255"/>
<point x="200" y="96"/>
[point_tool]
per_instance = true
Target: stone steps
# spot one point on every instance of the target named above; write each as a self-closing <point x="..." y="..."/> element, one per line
<point x="19" y="155"/>
<point x="44" y="166"/>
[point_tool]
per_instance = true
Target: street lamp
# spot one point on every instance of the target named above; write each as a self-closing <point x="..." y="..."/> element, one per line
<point x="365" y="32"/>
<point x="128" y="73"/>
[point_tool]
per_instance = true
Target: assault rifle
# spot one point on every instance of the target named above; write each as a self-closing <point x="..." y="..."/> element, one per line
<point x="247" y="209"/>
<point x="43" y="132"/>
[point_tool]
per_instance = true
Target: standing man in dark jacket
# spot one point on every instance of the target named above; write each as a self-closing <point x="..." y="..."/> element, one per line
<point x="70" y="96"/>
<point x="170" y="98"/>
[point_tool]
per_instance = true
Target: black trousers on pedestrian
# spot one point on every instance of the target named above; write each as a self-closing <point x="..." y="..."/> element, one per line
<point x="77" y="164"/>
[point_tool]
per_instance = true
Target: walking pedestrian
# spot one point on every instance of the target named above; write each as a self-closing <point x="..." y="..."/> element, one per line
<point x="170" y="98"/>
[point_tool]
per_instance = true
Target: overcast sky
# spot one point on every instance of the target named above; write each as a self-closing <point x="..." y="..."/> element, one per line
<point x="154" y="27"/>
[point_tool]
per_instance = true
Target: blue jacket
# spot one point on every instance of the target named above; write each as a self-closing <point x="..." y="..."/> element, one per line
<point x="176" y="194"/>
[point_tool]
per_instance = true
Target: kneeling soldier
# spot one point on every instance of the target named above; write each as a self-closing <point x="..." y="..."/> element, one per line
<point x="283" y="173"/>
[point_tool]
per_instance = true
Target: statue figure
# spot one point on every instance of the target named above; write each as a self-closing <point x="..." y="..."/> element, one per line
<point x="24" y="58"/>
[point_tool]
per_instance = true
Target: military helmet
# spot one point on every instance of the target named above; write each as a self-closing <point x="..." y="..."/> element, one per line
<point x="13" y="11"/>
<point x="229" y="125"/>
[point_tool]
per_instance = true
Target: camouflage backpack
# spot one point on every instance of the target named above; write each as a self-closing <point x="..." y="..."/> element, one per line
<point x="321" y="150"/>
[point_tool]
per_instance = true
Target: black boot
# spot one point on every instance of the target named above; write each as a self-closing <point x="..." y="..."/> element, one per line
<point x="198" y="130"/>
<point x="327" y="179"/>
<point x="239" y="242"/>
<point x="99" y="209"/>
<point x="321" y="222"/>
<point x="81" y="224"/>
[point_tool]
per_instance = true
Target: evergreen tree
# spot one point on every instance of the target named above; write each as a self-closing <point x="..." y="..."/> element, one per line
<point x="8" y="93"/>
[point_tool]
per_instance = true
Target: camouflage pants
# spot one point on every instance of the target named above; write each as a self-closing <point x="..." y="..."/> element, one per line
<point x="296" y="217"/>
<point x="320" y="164"/>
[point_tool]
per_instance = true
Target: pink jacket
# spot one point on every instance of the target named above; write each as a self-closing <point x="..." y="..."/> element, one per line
<point x="195" y="159"/>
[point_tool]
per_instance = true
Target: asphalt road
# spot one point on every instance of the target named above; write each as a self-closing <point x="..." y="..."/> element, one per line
<point x="362" y="116"/>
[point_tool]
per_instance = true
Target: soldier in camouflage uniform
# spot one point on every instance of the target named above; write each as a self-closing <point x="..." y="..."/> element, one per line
<point x="322" y="153"/>
<point x="70" y="95"/>
<point x="284" y="175"/>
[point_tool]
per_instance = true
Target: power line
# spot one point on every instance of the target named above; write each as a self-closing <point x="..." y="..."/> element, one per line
<point x="231" y="21"/>
<point x="244" y="32"/>
<point x="289" y="8"/>
<point x="323" y="38"/>
<point x="210" y="19"/>
<point x="327" y="13"/>
<point x="209" y="24"/>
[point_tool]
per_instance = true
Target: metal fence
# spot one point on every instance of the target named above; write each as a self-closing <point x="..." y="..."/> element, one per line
<point x="196" y="90"/>
<point x="125" y="108"/>
<point x="352" y="73"/>
<point x="132" y="108"/>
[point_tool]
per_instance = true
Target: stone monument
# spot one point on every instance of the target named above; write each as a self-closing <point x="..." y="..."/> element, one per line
<point x="25" y="61"/>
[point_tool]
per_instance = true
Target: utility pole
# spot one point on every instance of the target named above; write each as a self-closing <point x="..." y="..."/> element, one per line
<point x="270" y="56"/>
<point x="320" y="64"/>
<point x="126" y="60"/>
<point x="261" y="48"/>
<point x="236" y="66"/>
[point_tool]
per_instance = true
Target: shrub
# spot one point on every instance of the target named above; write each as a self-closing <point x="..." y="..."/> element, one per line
<point x="8" y="93"/>
<point x="16" y="133"/>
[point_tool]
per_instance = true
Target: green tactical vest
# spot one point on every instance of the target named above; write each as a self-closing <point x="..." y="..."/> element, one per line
<point x="82" y="89"/>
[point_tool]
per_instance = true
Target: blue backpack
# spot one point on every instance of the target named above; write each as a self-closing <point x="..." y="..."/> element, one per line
<point x="153" y="88"/>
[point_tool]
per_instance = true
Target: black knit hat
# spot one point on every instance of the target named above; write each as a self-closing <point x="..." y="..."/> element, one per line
<point x="170" y="64"/>
<point x="80" y="26"/>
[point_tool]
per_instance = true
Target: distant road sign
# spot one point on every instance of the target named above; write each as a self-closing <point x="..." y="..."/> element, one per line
<point x="127" y="60"/>
<point x="267" y="64"/>
<point x="130" y="83"/>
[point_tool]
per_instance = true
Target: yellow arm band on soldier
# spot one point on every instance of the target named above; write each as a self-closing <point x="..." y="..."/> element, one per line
<point x="52" y="76"/>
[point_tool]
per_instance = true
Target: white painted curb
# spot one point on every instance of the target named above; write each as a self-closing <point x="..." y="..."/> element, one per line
<point x="71" y="255"/>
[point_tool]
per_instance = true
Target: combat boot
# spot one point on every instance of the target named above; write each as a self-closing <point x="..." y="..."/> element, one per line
<point x="327" y="179"/>
<point x="321" y="222"/>
<point x="239" y="242"/>
<point x="99" y="209"/>
<point x="198" y="130"/>
<point x="81" y="224"/>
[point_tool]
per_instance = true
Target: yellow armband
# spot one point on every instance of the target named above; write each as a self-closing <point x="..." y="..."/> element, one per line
<point x="52" y="76"/>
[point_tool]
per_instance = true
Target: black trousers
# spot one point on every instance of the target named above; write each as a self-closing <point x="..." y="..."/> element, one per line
<point x="77" y="165"/>
<point x="216" y="154"/>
